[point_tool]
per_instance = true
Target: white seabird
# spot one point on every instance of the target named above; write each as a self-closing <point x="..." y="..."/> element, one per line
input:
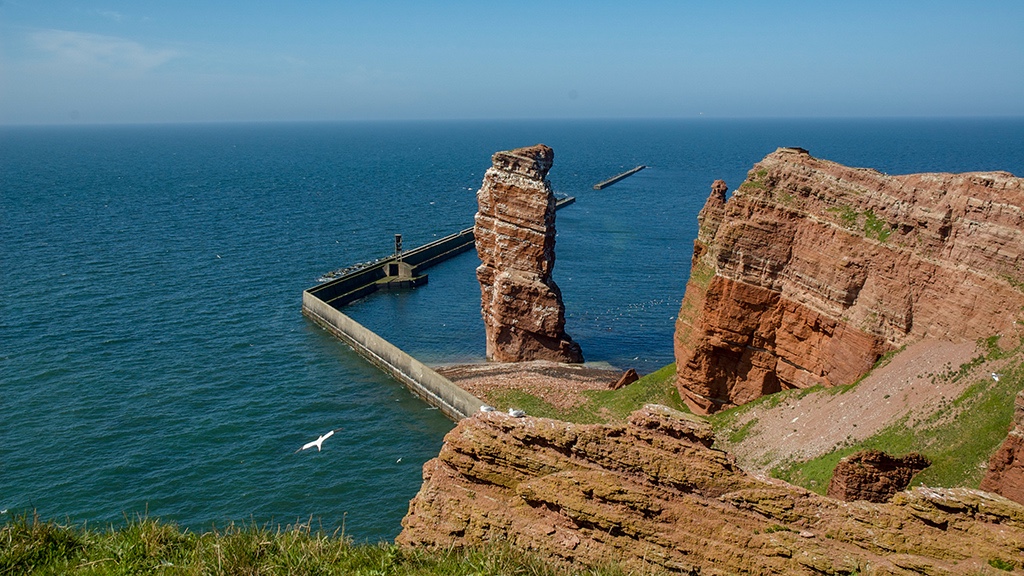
<point x="513" y="412"/>
<point x="318" y="442"/>
<point x="486" y="408"/>
<point x="996" y="376"/>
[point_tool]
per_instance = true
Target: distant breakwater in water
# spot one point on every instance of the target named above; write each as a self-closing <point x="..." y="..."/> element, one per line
<point x="151" y="273"/>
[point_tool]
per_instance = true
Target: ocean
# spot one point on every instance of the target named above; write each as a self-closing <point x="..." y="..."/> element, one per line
<point x="154" y="360"/>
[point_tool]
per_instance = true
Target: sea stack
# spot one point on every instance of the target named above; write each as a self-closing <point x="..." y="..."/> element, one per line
<point x="521" y="305"/>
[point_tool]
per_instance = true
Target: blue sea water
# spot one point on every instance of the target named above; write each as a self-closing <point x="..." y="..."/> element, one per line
<point x="153" y="357"/>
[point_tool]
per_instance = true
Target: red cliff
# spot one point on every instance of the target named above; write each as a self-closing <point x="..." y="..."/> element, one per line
<point x="1006" y="467"/>
<point x="521" y="305"/>
<point x="812" y="270"/>
<point x="654" y="497"/>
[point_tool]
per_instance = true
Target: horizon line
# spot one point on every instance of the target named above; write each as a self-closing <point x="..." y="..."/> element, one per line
<point x="699" y="118"/>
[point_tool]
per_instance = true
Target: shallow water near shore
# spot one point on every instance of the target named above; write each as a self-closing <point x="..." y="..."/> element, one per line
<point x="154" y="359"/>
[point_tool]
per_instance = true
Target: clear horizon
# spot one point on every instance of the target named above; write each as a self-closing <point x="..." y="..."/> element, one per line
<point x="119" y="62"/>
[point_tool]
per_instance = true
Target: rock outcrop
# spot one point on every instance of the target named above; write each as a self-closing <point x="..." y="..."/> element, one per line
<point x="654" y="496"/>
<point x="812" y="270"/>
<point x="522" y="307"/>
<point x="628" y="377"/>
<point x="1006" y="467"/>
<point x="873" y="475"/>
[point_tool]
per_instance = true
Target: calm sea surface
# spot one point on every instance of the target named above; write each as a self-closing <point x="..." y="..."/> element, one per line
<point x="153" y="357"/>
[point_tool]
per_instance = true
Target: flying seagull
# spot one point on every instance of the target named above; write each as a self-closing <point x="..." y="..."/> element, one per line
<point x="318" y="442"/>
<point x="996" y="376"/>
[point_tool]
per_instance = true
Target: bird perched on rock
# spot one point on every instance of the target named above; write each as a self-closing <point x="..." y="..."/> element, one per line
<point x="515" y="413"/>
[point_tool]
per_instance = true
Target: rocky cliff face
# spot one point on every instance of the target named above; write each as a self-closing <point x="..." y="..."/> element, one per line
<point x="873" y="475"/>
<point x="1006" y="467"/>
<point x="653" y="496"/>
<point x="522" y="307"/>
<point x="811" y="270"/>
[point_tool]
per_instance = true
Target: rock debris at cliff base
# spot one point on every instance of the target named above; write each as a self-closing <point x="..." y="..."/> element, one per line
<point x="560" y="385"/>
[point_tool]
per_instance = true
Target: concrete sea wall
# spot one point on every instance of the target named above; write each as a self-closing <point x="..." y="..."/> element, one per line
<point x="433" y="388"/>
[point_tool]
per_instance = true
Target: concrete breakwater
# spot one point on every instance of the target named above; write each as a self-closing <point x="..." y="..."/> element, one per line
<point x="617" y="177"/>
<point x="434" y="389"/>
<point x="323" y="304"/>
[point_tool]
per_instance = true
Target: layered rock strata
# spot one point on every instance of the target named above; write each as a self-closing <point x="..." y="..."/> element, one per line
<point x="873" y="475"/>
<point x="1006" y="467"/>
<point x="812" y="270"/>
<point x="654" y="496"/>
<point x="522" y="308"/>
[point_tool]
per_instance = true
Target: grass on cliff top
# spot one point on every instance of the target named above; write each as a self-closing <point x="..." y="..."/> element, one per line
<point x="605" y="406"/>
<point x="29" y="546"/>
<point x="958" y="439"/>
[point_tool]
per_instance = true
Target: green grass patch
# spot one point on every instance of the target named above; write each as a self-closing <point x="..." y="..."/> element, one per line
<point x="701" y="274"/>
<point x="786" y="198"/>
<point x="958" y="439"/>
<point x="847" y="215"/>
<point x="655" y="388"/>
<point x="755" y="181"/>
<point x="740" y="434"/>
<point x="994" y="350"/>
<point x="604" y="406"/>
<point x="875" y="227"/>
<point x="29" y="546"/>
<point x="1001" y="564"/>
<point x="532" y="405"/>
<point x="1014" y="280"/>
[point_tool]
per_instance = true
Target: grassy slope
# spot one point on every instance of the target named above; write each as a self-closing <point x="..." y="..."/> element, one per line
<point x="605" y="406"/>
<point x="959" y="439"/>
<point x="145" y="546"/>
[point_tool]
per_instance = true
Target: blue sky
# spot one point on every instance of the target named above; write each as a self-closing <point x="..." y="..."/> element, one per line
<point x="184" y="61"/>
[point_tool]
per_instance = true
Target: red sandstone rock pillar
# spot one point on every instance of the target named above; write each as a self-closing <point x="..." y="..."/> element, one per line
<point x="515" y="238"/>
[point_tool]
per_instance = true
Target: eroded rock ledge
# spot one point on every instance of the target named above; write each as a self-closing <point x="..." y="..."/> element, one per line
<point x="812" y="270"/>
<point x="522" y="308"/>
<point x="654" y="494"/>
